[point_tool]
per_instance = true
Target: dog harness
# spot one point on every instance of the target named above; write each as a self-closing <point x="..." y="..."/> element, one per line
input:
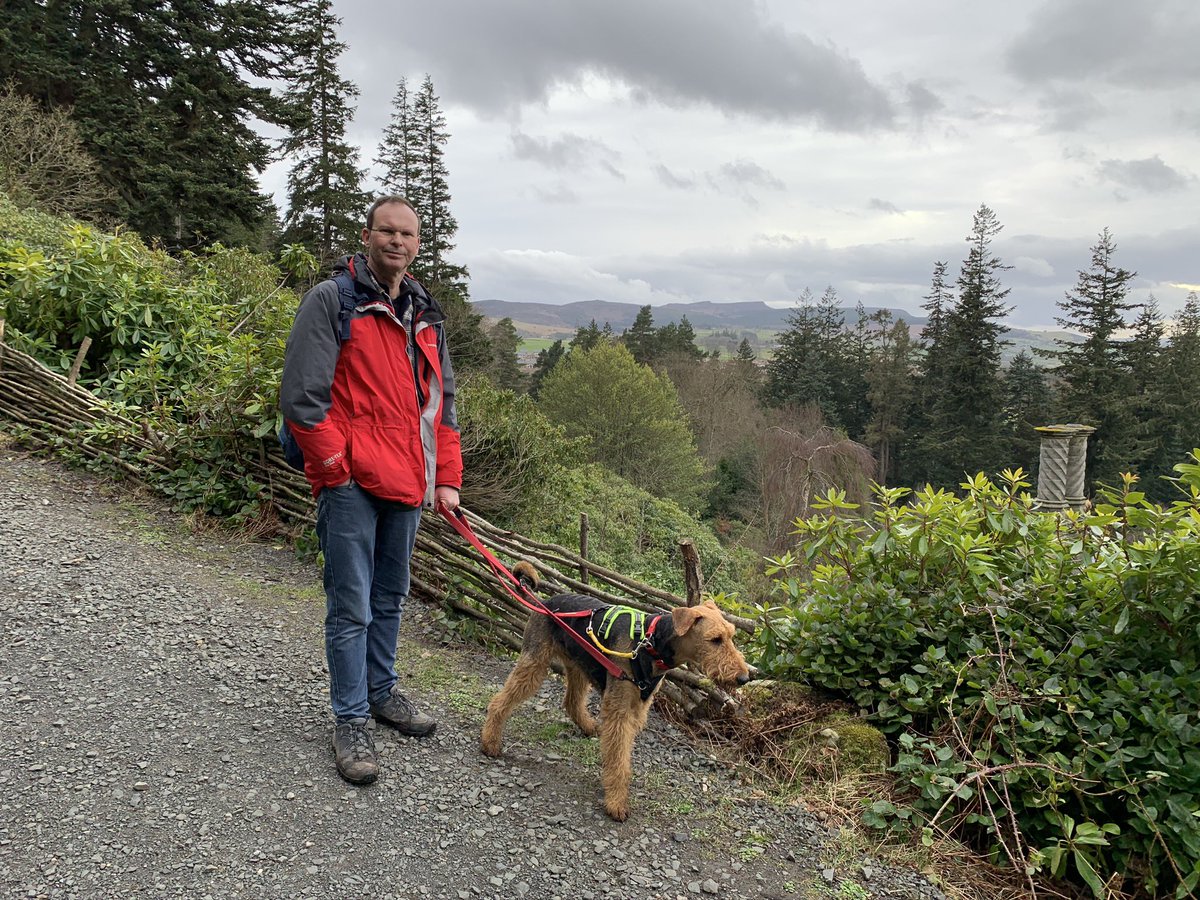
<point x="646" y="663"/>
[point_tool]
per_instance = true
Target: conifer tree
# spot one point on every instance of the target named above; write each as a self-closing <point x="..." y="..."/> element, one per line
<point x="1150" y="406"/>
<point x="1095" y="383"/>
<point x="890" y="391"/>
<point x="1026" y="407"/>
<point x="965" y="432"/>
<point x="590" y="335"/>
<point x="399" y="155"/>
<point x="163" y="96"/>
<point x="641" y="337"/>
<point x="326" y="200"/>
<point x="432" y="189"/>
<point x="807" y="356"/>
<point x="546" y="360"/>
<point x="1180" y="398"/>
<point x="505" y="371"/>
<point x="919" y="466"/>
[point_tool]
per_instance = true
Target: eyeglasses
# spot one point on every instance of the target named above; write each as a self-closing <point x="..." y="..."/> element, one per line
<point x="390" y="233"/>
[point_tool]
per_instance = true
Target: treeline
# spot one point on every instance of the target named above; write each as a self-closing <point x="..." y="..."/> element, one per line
<point x="844" y="403"/>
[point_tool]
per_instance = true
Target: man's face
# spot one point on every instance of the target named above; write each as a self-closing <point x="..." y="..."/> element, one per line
<point x="392" y="242"/>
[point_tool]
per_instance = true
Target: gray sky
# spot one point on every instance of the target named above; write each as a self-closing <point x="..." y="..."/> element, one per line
<point x="654" y="151"/>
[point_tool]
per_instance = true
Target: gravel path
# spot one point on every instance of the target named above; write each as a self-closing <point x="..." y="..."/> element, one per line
<point x="164" y="733"/>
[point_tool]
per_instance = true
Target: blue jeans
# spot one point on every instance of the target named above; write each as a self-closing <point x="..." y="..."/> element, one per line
<point x="367" y="543"/>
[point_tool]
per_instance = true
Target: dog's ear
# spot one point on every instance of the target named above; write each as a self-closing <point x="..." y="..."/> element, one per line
<point x="526" y="574"/>
<point x="683" y="618"/>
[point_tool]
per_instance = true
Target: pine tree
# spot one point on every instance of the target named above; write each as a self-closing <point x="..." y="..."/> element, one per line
<point x="1026" y="407"/>
<point x="1095" y="381"/>
<point x="432" y="189"/>
<point x="1181" y="374"/>
<point x="326" y="200"/>
<point x="807" y="354"/>
<point x="546" y="360"/>
<point x="965" y="433"/>
<point x="919" y="465"/>
<point x="163" y="100"/>
<point x="641" y="337"/>
<point x="590" y="335"/>
<point x="505" y="371"/>
<point x="399" y="154"/>
<point x="1150" y="406"/>
<point x="745" y="352"/>
<point x="890" y="390"/>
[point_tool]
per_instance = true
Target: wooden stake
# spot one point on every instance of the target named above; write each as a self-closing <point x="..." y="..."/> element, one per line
<point x="78" y="364"/>
<point x="692" y="576"/>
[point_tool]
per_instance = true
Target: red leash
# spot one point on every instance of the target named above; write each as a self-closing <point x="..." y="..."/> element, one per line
<point x="526" y="598"/>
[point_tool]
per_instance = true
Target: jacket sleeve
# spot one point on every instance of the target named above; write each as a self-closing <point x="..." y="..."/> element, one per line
<point x="449" y="441"/>
<point x="306" y="388"/>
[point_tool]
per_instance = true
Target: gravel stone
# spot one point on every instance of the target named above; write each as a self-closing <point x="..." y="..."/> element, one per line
<point x="164" y="732"/>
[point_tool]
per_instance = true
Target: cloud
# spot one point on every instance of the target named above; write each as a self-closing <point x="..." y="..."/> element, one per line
<point x="672" y="180"/>
<point x="884" y="206"/>
<point x="1148" y="45"/>
<point x="1150" y="175"/>
<point x="738" y="178"/>
<point x="921" y="102"/>
<point x="1030" y="265"/>
<point x="558" y="194"/>
<point x="570" y="153"/>
<point x="723" y="54"/>
<point x="1069" y="110"/>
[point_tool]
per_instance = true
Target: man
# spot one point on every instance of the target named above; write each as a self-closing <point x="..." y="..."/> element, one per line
<point x="372" y="409"/>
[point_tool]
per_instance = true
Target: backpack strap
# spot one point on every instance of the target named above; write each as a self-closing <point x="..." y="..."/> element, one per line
<point x="347" y="302"/>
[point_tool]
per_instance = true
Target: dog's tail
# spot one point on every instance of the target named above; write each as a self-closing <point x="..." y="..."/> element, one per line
<point x="526" y="574"/>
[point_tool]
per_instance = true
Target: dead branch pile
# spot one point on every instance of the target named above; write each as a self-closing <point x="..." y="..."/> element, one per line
<point x="58" y="415"/>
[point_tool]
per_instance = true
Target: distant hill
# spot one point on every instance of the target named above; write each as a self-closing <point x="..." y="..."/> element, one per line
<point x="552" y="321"/>
<point x="561" y="321"/>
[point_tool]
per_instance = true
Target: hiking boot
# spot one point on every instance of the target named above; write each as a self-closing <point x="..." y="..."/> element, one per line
<point x="398" y="712"/>
<point x="354" y="752"/>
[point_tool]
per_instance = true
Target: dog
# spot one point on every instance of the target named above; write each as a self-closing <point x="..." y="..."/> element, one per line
<point x="643" y="645"/>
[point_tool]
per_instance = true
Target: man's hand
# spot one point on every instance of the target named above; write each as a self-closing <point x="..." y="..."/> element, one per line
<point x="447" y="496"/>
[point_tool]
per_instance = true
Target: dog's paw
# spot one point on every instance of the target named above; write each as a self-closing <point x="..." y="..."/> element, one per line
<point x="490" y="748"/>
<point x="617" y="812"/>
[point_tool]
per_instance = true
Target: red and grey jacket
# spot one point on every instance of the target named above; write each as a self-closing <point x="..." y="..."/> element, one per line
<point x="379" y="407"/>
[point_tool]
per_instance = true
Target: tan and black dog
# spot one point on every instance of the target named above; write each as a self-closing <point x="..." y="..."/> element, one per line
<point x="645" y="646"/>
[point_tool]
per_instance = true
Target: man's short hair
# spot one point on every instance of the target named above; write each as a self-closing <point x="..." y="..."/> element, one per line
<point x="384" y="201"/>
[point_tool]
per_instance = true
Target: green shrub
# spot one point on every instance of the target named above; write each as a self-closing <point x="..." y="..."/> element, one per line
<point x="1037" y="672"/>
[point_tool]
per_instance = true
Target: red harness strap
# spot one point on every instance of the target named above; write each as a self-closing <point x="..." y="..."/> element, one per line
<point x="459" y="523"/>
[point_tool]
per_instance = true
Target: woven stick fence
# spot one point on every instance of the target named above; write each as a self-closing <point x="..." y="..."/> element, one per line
<point x="58" y="415"/>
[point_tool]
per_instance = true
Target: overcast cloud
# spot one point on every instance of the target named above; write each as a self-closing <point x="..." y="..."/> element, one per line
<point x="674" y="150"/>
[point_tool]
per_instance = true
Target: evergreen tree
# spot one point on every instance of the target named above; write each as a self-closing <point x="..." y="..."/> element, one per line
<point x="326" y="201"/>
<point x="965" y="431"/>
<point x="399" y="154"/>
<point x="546" y="360"/>
<point x="505" y="371"/>
<point x="919" y="466"/>
<point x="1150" y="407"/>
<point x="432" y="189"/>
<point x="807" y="356"/>
<point x="745" y="352"/>
<point x="1095" y="383"/>
<point x="1181" y="375"/>
<point x="163" y="99"/>
<point x="641" y="337"/>
<point x="1026" y="407"/>
<point x="890" y="391"/>
<point x="591" y="335"/>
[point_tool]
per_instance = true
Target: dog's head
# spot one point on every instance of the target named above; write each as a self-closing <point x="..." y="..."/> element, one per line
<point x="526" y="574"/>
<point x="704" y="639"/>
